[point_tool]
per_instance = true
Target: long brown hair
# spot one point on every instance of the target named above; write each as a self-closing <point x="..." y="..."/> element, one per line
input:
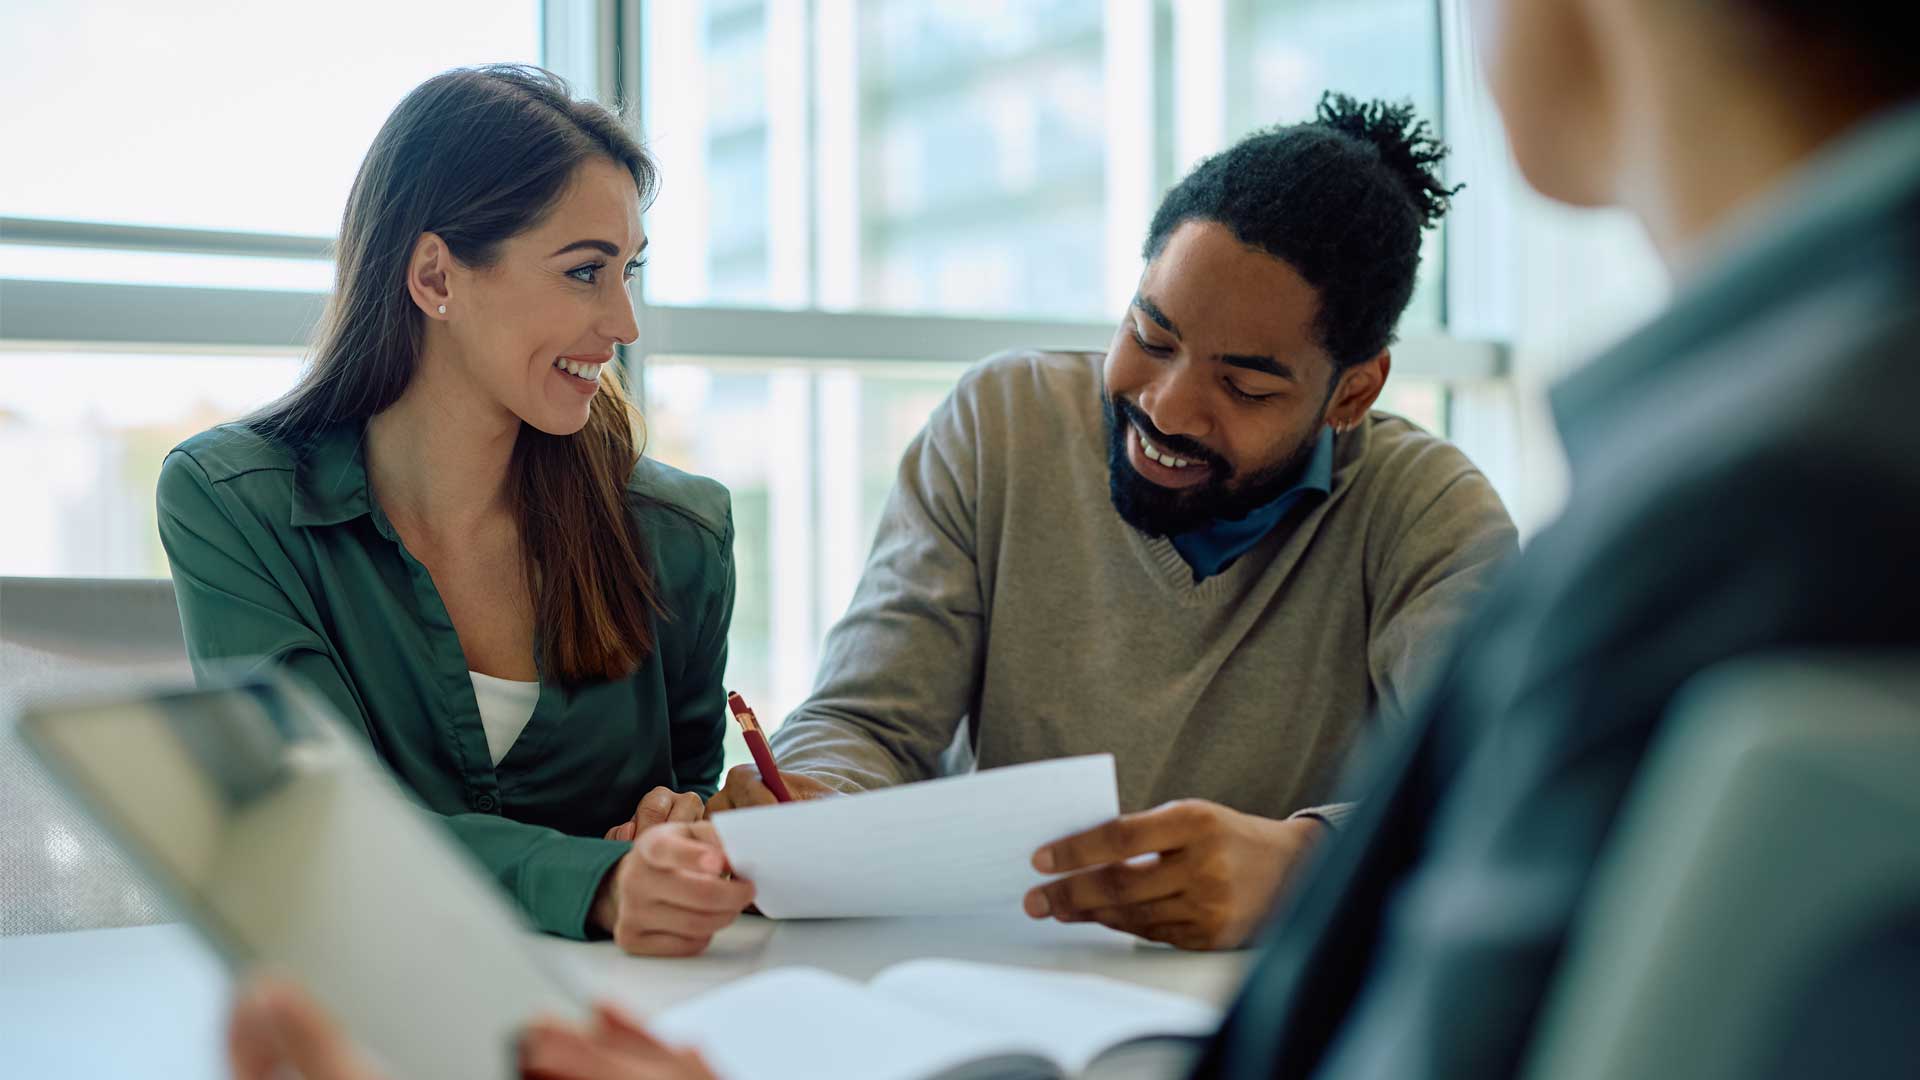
<point x="477" y="155"/>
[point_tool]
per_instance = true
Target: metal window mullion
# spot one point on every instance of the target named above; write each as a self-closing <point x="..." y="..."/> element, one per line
<point x="1200" y="58"/>
<point x="623" y="26"/>
<point x="89" y="313"/>
<point x="791" y="207"/>
<point x="48" y="232"/>
<point x="1440" y="98"/>
<point x="571" y="43"/>
<point x="1128" y="80"/>
<point x="835" y="94"/>
<point x="166" y="316"/>
<point x="838" y="436"/>
<point x="680" y="241"/>
<point x="620" y="28"/>
<point x="852" y="336"/>
<point x="791" y="505"/>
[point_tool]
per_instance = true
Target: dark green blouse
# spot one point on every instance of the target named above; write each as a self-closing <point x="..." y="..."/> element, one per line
<point x="287" y="560"/>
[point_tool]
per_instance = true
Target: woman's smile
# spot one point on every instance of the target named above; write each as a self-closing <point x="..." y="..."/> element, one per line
<point x="581" y="373"/>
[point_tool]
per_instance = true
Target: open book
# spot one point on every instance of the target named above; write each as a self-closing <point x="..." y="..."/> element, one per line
<point x="925" y="1018"/>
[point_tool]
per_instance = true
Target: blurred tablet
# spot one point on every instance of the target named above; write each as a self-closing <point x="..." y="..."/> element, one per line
<point x="290" y="848"/>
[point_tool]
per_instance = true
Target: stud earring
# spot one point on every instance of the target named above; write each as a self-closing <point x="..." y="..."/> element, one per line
<point x="443" y="309"/>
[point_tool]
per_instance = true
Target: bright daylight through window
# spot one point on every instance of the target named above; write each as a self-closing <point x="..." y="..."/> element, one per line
<point x="859" y="197"/>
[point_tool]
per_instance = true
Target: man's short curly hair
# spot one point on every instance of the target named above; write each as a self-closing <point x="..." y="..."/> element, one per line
<point x="1342" y="199"/>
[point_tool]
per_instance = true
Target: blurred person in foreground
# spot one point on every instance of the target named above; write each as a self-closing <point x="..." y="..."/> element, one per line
<point x="1746" y="477"/>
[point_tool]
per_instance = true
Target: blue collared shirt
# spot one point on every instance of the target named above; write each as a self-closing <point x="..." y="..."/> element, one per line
<point x="1213" y="547"/>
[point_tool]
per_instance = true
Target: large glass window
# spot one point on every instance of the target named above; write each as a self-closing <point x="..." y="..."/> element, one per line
<point x="809" y="452"/>
<point x="1288" y="54"/>
<point x="226" y="117"/>
<point x="230" y="115"/>
<point x="951" y="154"/>
<point x="83" y="435"/>
<point x="984" y="168"/>
<point x="982" y="164"/>
<point x="968" y="157"/>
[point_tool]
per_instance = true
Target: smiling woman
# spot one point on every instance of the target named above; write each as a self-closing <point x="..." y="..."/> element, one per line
<point x="461" y="287"/>
<point x="447" y="526"/>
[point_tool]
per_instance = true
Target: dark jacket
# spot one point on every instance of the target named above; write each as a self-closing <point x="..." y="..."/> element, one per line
<point x="1746" y="477"/>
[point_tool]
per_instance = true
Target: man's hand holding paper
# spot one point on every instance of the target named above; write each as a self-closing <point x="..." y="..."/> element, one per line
<point x="1190" y="873"/>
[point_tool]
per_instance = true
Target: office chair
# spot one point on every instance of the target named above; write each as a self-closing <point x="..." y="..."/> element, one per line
<point x="1757" y="913"/>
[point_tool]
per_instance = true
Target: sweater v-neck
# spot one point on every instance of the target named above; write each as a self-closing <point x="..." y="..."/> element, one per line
<point x="1171" y="571"/>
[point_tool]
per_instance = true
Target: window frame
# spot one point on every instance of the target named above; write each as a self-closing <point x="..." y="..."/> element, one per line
<point x="596" y="45"/>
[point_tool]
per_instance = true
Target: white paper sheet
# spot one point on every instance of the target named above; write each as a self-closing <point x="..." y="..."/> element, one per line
<point x="803" y="1022"/>
<point x="1067" y="1017"/>
<point x="957" y="845"/>
<point x="924" y="1018"/>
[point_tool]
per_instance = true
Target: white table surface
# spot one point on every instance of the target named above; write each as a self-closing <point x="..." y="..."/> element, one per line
<point x="151" y="1001"/>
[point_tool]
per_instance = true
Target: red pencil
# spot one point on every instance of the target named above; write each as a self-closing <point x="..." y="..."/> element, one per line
<point x="757" y="745"/>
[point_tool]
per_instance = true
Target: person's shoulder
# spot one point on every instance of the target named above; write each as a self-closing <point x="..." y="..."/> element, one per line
<point x="1394" y="438"/>
<point x="229" y="467"/>
<point x="1807" y="421"/>
<point x="229" y="451"/>
<point x="228" y="473"/>
<point x="1413" y="483"/>
<point x="685" y="516"/>
<point x="1023" y="376"/>
<point x="1030" y="392"/>
<point x="1400" y="456"/>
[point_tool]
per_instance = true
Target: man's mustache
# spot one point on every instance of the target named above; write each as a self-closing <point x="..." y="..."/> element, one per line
<point x="1177" y="445"/>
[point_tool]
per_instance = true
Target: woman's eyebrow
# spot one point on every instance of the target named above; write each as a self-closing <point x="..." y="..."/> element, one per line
<point x="600" y="246"/>
<point x="603" y="247"/>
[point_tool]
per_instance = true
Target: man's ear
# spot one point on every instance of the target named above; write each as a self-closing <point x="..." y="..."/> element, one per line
<point x="428" y="271"/>
<point x="1357" y="389"/>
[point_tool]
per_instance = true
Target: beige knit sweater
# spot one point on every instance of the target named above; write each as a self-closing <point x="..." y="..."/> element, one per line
<point x="1004" y="593"/>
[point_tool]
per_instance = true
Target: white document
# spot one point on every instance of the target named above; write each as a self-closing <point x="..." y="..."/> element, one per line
<point x="925" y="1018"/>
<point x="958" y="845"/>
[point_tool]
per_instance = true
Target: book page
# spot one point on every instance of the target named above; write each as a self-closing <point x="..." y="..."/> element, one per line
<point x="807" y="1022"/>
<point x="1070" y="1018"/>
<point x="957" y="845"/>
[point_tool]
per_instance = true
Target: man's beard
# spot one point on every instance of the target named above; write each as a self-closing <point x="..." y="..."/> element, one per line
<point x="1159" y="511"/>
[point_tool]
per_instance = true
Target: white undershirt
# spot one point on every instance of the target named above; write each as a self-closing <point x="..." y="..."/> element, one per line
<point x="505" y="708"/>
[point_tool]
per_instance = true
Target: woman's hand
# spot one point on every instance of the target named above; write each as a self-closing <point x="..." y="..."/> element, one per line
<point x="669" y="895"/>
<point x="612" y="1047"/>
<point x="277" y="1032"/>
<point x="660" y="806"/>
